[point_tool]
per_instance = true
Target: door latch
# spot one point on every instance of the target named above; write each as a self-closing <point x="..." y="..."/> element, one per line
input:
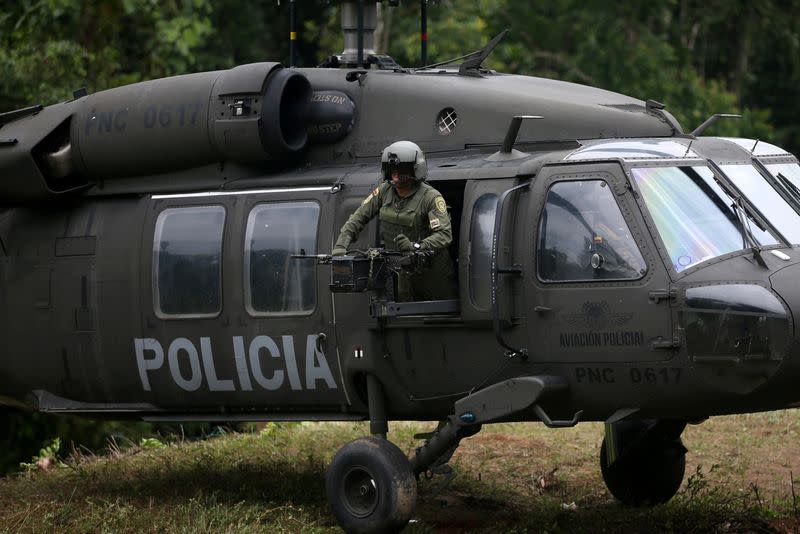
<point x="663" y="294"/>
<point x="661" y="343"/>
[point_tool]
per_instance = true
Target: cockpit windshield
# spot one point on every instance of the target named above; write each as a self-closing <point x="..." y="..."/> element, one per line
<point x="787" y="175"/>
<point x="766" y="199"/>
<point x="790" y="170"/>
<point x="696" y="218"/>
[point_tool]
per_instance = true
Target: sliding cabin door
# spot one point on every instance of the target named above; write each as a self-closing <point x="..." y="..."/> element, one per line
<point x="233" y="318"/>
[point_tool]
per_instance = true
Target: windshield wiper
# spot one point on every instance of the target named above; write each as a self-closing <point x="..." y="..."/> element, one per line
<point x="747" y="233"/>
<point x="718" y="201"/>
<point x="789" y="187"/>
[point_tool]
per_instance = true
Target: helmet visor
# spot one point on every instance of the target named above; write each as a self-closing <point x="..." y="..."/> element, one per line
<point x="404" y="168"/>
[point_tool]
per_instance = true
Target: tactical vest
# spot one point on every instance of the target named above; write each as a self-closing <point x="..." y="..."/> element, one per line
<point x="408" y="220"/>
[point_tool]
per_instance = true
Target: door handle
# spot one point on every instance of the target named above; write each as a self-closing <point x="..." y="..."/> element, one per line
<point x="663" y="294"/>
<point x="661" y="343"/>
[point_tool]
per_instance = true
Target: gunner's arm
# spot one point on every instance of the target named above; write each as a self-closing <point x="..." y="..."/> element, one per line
<point x="360" y="218"/>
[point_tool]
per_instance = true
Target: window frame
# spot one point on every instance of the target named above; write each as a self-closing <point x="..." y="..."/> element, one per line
<point x="495" y="183"/>
<point x="247" y="300"/>
<point x="154" y="268"/>
<point x="599" y="177"/>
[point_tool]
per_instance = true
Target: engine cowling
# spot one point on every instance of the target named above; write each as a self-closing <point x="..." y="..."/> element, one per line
<point x="249" y="114"/>
<point x="246" y="114"/>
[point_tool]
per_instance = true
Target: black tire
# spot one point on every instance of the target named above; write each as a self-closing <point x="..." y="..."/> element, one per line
<point x="370" y="486"/>
<point x="646" y="477"/>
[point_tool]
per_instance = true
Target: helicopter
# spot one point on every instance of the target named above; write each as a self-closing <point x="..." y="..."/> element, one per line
<point x="172" y="238"/>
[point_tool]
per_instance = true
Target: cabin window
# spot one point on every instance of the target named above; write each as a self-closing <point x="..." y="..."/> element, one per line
<point x="275" y="282"/>
<point x="480" y="249"/>
<point x="187" y="266"/>
<point x="583" y="236"/>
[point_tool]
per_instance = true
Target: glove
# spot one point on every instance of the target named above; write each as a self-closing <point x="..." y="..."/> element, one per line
<point x="403" y="243"/>
<point x="339" y="251"/>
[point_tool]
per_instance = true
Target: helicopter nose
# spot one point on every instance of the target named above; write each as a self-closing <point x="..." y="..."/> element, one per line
<point x="786" y="283"/>
<point x="738" y="335"/>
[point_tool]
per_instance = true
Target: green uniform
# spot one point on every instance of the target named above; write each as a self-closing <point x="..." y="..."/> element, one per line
<point x="422" y="217"/>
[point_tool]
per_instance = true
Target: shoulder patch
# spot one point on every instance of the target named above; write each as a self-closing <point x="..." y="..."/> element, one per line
<point x="370" y="196"/>
<point x="441" y="206"/>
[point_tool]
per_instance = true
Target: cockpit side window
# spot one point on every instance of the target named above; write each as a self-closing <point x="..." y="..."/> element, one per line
<point x="583" y="236"/>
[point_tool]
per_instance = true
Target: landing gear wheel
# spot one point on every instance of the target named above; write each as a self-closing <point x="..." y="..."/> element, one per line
<point x="645" y="477"/>
<point x="370" y="486"/>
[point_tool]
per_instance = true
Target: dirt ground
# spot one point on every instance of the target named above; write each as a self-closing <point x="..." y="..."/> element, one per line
<point x="742" y="475"/>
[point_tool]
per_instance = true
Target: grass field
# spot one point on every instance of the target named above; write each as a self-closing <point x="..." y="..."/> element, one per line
<point x="509" y="478"/>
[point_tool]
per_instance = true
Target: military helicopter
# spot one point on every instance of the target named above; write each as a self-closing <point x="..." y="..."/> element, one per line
<point x="165" y="257"/>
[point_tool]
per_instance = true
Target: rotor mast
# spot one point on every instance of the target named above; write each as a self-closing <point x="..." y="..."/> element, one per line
<point x="359" y="20"/>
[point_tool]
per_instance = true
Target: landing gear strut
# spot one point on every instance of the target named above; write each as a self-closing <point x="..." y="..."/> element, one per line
<point x="643" y="462"/>
<point x="371" y="485"/>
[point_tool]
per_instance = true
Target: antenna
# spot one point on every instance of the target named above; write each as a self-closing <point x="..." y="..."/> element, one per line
<point x="689" y="147"/>
<point x="292" y="33"/>
<point x="360" y="46"/>
<point x="423" y="31"/>
<point x="513" y="130"/>
<point x="470" y="66"/>
<point x="711" y="120"/>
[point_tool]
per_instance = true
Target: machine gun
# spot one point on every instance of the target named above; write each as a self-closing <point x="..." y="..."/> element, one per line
<point x="373" y="270"/>
<point x="369" y="270"/>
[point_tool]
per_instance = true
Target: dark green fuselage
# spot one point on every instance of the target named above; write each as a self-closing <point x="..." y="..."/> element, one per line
<point x="89" y="327"/>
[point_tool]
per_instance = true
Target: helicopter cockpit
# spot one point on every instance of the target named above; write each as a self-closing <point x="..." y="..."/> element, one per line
<point x="706" y="201"/>
<point x="724" y="217"/>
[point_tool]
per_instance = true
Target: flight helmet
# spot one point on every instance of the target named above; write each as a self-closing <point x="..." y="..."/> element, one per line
<point x="405" y="157"/>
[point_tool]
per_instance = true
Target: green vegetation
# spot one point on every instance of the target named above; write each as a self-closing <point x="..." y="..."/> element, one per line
<point x="510" y="478"/>
<point x="698" y="58"/>
<point x="24" y="436"/>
